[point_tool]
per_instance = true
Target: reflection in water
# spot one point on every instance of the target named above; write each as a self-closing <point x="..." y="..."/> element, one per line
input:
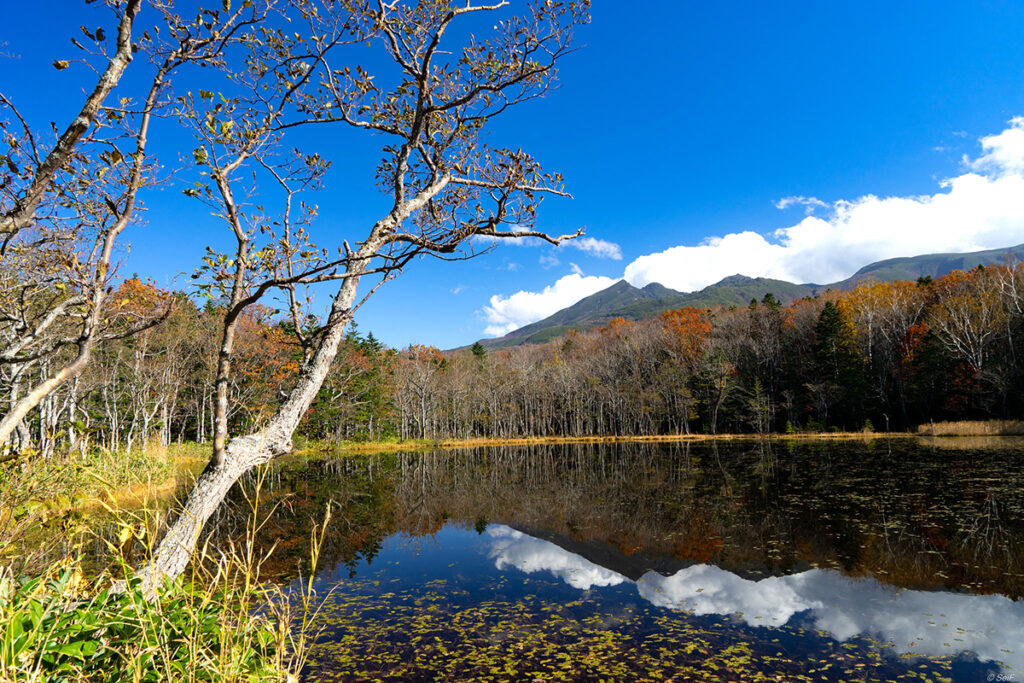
<point x="908" y="621"/>
<point x="516" y="549"/>
<point x="833" y="545"/>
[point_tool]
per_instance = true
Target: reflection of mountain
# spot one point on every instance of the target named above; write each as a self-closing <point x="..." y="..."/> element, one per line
<point x="910" y="621"/>
<point x="913" y="516"/>
<point x="525" y="553"/>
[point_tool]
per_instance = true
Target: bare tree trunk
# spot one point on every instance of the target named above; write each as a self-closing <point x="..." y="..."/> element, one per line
<point x="21" y="437"/>
<point x="32" y="399"/>
<point x="244" y="453"/>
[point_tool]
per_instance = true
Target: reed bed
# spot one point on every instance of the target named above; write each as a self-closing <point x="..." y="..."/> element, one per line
<point x="973" y="428"/>
<point x="477" y="442"/>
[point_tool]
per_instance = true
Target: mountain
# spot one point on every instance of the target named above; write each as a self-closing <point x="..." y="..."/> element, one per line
<point x="620" y="300"/>
<point x="931" y="265"/>
<point x="623" y="300"/>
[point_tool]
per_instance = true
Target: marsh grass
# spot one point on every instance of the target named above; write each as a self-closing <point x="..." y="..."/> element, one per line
<point x="973" y="428"/>
<point x="425" y="445"/>
<point x="37" y="493"/>
<point x="220" y="623"/>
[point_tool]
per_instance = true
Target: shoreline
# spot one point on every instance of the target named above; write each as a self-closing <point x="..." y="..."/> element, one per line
<point x="144" y="493"/>
<point x="456" y="444"/>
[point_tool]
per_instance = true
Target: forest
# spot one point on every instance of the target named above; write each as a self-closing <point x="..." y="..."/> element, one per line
<point x="882" y="357"/>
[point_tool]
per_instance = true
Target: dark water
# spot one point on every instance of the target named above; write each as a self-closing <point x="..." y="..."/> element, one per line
<point x="714" y="561"/>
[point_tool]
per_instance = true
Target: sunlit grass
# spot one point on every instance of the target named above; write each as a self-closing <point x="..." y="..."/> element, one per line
<point x="220" y="623"/>
<point x="973" y="428"/>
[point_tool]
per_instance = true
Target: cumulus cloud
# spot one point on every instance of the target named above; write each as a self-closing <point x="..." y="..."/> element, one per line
<point x="979" y="209"/>
<point x="505" y="314"/>
<point x="1004" y="153"/>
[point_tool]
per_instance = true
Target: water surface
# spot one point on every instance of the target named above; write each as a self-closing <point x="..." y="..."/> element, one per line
<point x="818" y="560"/>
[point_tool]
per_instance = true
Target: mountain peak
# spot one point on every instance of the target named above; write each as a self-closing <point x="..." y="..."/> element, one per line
<point x="620" y="287"/>
<point x="659" y="290"/>
<point x="623" y="300"/>
<point x="736" y="280"/>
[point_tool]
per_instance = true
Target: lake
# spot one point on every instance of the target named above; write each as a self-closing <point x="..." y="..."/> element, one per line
<point x="888" y="559"/>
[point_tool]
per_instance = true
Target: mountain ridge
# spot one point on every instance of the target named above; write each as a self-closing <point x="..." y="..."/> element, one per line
<point x="623" y="300"/>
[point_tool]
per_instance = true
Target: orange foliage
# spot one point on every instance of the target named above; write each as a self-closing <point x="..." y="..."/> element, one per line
<point x="617" y="327"/>
<point x="687" y="330"/>
<point x="138" y="298"/>
<point x="423" y="354"/>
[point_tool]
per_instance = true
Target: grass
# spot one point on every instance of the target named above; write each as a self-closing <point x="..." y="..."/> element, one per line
<point x="220" y="624"/>
<point x="395" y="445"/>
<point x="973" y="428"/>
<point x="38" y="493"/>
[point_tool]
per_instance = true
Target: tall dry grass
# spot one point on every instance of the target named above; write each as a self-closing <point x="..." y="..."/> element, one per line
<point x="222" y="623"/>
<point x="973" y="428"/>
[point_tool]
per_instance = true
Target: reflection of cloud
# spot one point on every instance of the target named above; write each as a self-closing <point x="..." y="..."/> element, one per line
<point x="921" y="622"/>
<point x="703" y="589"/>
<point x="528" y="554"/>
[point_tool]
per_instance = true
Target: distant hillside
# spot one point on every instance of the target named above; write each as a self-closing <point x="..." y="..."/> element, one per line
<point x="931" y="265"/>
<point x="623" y="300"/>
<point x="620" y="300"/>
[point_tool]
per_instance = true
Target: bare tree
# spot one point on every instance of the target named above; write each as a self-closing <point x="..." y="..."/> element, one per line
<point x="62" y="214"/>
<point x="446" y="185"/>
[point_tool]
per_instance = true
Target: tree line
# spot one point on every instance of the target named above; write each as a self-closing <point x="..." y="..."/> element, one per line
<point x="885" y="356"/>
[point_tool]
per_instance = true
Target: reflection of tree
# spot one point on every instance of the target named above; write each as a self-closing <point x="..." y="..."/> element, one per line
<point x="913" y="518"/>
<point x="294" y="498"/>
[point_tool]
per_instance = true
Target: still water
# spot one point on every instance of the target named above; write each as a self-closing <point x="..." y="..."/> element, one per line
<point x="884" y="560"/>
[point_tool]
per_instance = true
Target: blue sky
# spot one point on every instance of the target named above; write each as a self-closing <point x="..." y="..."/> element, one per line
<point x="681" y="125"/>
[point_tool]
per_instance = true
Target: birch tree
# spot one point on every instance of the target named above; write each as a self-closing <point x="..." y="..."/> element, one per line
<point x="62" y="212"/>
<point x="446" y="187"/>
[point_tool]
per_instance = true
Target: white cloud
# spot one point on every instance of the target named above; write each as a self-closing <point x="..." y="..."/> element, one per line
<point x="809" y="203"/>
<point x="459" y="289"/>
<point x="980" y="209"/>
<point x="505" y="314"/>
<point x="690" y="268"/>
<point x="596" y="247"/>
<point x="1004" y="153"/>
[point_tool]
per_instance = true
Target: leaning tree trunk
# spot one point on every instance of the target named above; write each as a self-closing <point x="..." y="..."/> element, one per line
<point x="242" y="454"/>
